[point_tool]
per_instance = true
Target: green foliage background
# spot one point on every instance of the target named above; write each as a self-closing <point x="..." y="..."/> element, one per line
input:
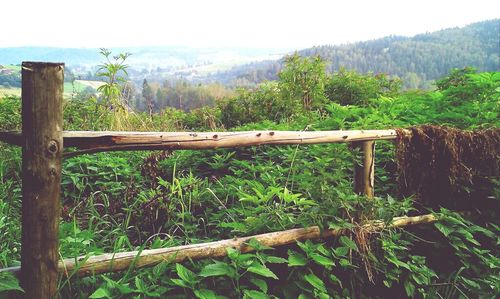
<point x="125" y="201"/>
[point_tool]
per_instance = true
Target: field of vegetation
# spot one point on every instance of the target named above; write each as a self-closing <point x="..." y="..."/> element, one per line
<point x="123" y="201"/>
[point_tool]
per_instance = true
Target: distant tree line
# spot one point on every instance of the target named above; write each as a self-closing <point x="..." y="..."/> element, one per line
<point x="416" y="60"/>
<point x="10" y="79"/>
<point x="179" y="94"/>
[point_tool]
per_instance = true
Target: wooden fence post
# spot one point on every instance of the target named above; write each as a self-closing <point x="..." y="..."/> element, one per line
<point x="364" y="174"/>
<point x="42" y="122"/>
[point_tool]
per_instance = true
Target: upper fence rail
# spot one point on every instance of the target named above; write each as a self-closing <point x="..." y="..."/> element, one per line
<point x="102" y="141"/>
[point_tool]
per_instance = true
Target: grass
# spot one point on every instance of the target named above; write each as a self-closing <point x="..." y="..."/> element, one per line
<point x="74" y="87"/>
<point x="89" y="83"/>
<point x="68" y="90"/>
<point x="9" y="91"/>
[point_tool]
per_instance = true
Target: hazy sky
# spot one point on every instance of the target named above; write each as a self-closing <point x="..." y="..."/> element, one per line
<point x="232" y="23"/>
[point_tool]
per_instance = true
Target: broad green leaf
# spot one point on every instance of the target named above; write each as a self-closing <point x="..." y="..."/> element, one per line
<point x="205" y="294"/>
<point x="341" y="251"/>
<point x="180" y="282"/>
<point x="472" y="284"/>
<point x="296" y="259"/>
<point x="315" y="281"/>
<point x="321" y="260"/>
<point x="232" y="253"/>
<point x="261" y="284"/>
<point x="253" y="294"/>
<point x="322" y="249"/>
<point x="126" y="289"/>
<point x="185" y="274"/>
<point x="275" y="260"/>
<point x="236" y="226"/>
<point x="468" y="236"/>
<point x="307" y="246"/>
<point x="417" y="279"/>
<point x="101" y="292"/>
<point x="322" y="295"/>
<point x="262" y="270"/>
<point x="445" y="230"/>
<point x="409" y="288"/>
<point x="348" y="243"/>
<point x="245" y="259"/>
<point x="483" y="230"/>
<point x="345" y="262"/>
<point x="397" y="262"/>
<point x="217" y="269"/>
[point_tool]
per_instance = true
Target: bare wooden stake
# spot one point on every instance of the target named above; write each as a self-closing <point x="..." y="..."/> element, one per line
<point x="364" y="174"/>
<point x="42" y="121"/>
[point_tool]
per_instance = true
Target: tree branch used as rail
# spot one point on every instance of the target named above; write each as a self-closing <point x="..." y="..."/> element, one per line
<point x="95" y="141"/>
<point x="112" y="262"/>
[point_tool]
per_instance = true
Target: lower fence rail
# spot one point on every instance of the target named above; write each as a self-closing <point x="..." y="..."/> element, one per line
<point x="114" y="262"/>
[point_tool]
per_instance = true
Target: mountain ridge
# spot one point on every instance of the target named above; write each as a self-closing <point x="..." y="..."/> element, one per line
<point x="417" y="60"/>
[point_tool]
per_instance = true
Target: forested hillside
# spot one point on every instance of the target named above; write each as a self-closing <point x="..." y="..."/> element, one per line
<point x="417" y="60"/>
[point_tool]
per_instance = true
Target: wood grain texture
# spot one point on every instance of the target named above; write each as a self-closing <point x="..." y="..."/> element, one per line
<point x="364" y="173"/>
<point x="121" y="261"/>
<point x="111" y="262"/>
<point x="102" y="141"/>
<point x="42" y="120"/>
<point x="95" y="141"/>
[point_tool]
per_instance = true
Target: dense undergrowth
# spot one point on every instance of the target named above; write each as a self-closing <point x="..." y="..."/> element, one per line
<point x="132" y="200"/>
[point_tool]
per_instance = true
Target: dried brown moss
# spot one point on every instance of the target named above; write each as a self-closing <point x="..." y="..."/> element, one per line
<point x="448" y="167"/>
<point x="149" y="168"/>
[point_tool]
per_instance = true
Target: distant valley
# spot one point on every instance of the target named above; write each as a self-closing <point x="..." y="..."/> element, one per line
<point x="417" y="60"/>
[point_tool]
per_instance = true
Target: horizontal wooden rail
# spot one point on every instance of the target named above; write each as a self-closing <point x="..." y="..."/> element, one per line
<point x="111" y="262"/>
<point x="95" y="141"/>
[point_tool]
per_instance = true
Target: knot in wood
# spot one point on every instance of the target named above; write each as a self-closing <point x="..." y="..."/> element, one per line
<point x="53" y="147"/>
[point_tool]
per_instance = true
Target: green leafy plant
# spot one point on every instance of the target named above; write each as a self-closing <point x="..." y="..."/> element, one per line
<point x="114" y="202"/>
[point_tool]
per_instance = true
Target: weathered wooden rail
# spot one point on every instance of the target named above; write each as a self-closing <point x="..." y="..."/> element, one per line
<point x="105" y="141"/>
<point x="110" y="262"/>
<point x="43" y="142"/>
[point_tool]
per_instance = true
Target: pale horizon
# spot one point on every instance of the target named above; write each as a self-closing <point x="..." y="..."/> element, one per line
<point x="228" y="24"/>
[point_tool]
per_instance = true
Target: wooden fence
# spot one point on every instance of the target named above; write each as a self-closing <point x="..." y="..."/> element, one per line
<point x="43" y="142"/>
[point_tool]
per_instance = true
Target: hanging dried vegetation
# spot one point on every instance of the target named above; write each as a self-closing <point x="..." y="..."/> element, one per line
<point x="449" y="167"/>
